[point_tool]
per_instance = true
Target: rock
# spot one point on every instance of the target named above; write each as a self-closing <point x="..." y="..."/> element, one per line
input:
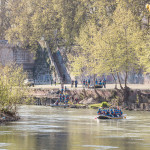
<point x="143" y="106"/>
<point x="7" y="118"/>
<point x="88" y="101"/>
<point x="132" y="106"/>
<point x="137" y="107"/>
<point x="147" y="107"/>
<point x="73" y="106"/>
<point x="82" y="101"/>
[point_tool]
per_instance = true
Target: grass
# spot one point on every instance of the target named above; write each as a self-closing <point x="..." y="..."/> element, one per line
<point x="98" y="105"/>
<point x="95" y="106"/>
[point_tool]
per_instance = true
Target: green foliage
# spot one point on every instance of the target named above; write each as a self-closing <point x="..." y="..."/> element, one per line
<point x="109" y="34"/>
<point x="4" y="18"/>
<point x="30" y="101"/>
<point x="104" y="104"/>
<point x="113" y="46"/>
<point x="95" y="106"/>
<point x="137" y="99"/>
<point x="81" y="96"/>
<point x="12" y="87"/>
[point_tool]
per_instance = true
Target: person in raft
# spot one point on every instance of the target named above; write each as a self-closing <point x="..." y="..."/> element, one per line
<point x="112" y="112"/>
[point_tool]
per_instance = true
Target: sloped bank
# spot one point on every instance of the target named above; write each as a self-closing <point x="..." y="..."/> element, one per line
<point x="136" y="99"/>
<point x="8" y="117"/>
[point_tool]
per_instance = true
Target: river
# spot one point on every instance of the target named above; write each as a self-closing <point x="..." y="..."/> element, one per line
<point x="46" y="128"/>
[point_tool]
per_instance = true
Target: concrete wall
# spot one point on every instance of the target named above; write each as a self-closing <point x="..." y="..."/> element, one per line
<point x="21" y="56"/>
<point x="10" y="53"/>
<point x="6" y="53"/>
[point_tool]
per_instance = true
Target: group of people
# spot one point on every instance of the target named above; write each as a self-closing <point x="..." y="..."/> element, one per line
<point x="63" y="97"/>
<point x="74" y="83"/>
<point x="86" y="83"/>
<point x="110" y="112"/>
<point x="101" y="83"/>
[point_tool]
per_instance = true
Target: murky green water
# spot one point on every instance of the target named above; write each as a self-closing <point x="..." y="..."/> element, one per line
<point x="45" y="128"/>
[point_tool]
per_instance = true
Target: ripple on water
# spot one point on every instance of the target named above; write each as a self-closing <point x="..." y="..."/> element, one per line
<point x="111" y="137"/>
<point x="39" y="128"/>
<point x="3" y="145"/>
<point x="5" y="132"/>
<point x="100" y="147"/>
<point x="113" y="129"/>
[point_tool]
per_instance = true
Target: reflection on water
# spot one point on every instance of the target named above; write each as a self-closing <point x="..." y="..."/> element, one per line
<point x="45" y="128"/>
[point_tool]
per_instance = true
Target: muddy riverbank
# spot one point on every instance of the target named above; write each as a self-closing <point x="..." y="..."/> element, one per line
<point x="137" y="99"/>
<point x="7" y="117"/>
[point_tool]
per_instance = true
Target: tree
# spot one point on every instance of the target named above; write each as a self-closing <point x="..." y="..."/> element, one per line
<point x="144" y="53"/>
<point x="123" y="36"/>
<point x="12" y="87"/>
<point x="113" y="46"/>
<point x="4" y="18"/>
<point x="107" y="32"/>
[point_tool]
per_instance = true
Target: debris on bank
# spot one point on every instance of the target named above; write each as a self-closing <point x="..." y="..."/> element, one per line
<point x="135" y="99"/>
<point x="8" y="118"/>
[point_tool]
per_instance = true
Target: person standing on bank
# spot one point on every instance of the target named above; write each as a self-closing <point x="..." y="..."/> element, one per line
<point x="51" y="81"/>
<point x="76" y="83"/>
<point x="72" y="83"/>
<point x="104" y="83"/>
<point x="89" y="82"/>
<point x="84" y="83"/>
<point x="96" y="82"/>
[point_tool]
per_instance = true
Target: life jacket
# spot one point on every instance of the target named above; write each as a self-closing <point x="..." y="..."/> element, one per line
<point x="114" y="113"/>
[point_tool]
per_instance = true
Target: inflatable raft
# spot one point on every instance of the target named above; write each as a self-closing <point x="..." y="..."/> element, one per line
<point x="109" y="117"/>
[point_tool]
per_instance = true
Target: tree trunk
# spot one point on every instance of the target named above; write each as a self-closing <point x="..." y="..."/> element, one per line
<point x="114" y="80"/>
<point x="94" y="81"/>
<point x="126" y="77"/>
<point x="119" y="81"/>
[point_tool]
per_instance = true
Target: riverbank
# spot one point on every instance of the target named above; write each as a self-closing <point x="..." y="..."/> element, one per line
<point x="8" y="117"/>
<point x="137" y="99"/>
<point x="108" y="86"/>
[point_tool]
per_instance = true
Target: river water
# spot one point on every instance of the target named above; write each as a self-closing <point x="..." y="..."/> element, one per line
<point x="46" y="128"/>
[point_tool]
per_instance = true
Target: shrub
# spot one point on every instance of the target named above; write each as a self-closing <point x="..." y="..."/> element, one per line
<point x="95" y="106"/>
<point x="104" y="104"/>
<point x="12" y="86"/>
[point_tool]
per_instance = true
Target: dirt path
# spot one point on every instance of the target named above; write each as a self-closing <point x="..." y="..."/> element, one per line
<point x="108" y="86"/>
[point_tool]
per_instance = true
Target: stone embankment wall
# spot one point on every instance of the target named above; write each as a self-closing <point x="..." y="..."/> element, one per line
<point x="137" y="99"/>
<point x="40" y="96"/>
